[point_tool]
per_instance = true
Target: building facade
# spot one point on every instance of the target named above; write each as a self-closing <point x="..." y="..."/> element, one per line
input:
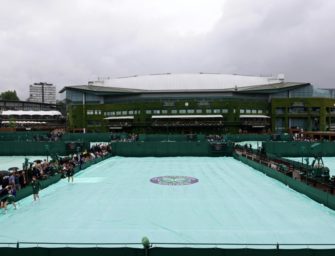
<point x="42" y="92"/>
<point x="24" y="115"/>
<point x="191" y="103"/>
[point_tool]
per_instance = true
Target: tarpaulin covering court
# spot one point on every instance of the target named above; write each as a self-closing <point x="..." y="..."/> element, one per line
<point x="170" y="200"/>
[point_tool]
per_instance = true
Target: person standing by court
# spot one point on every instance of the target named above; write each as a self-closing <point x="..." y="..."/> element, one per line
<point x="11" y="196"/>
<point x="69" y="172"/>
<point x="36" y="185"/>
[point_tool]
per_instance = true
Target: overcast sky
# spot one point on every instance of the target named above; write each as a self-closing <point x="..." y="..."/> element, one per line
<point x="69" y="42"/>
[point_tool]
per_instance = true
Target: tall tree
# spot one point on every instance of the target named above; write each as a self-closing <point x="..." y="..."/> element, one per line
<point x="9" y="95"/>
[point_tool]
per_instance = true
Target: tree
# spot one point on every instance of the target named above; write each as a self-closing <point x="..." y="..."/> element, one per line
<point x="9" y="95"/>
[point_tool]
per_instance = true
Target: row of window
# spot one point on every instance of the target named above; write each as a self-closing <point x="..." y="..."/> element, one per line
<point x="297" y="110"/>
<point x="122" y="113"/>
<point x="91" y="112"/>
<point x="173" y="111"/>
<point x="251" y="111"/>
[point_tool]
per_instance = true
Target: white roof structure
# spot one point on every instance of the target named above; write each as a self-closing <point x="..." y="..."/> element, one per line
<point x="119" y="117"/>
<point x="254" y="116"/>
<point x="30" y="113"/>
<point x="23" y="122"/>
<point x="196" y="81"/>
<point x="186" y="116"/>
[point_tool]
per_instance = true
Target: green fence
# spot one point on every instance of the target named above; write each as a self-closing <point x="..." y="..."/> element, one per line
<point x="24" y="148"/>
<point x="300" y="148"/>
<point x="257" y="137"/>
<point x="22" y="136"/>
<point x="87" y="137"/>
<point x="247" y="137"/>
<point x="322" y="197"/>
<point x="141" y="149"/>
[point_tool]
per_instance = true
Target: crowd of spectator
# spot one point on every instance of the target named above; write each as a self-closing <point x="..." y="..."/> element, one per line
<point x="117" y="137"/>
<point x="301" y="137"/>
<point x="14" y="180"/>
<point x="54" y="135"/>
<point x="186" y="123"/>
<point x="215" y="138"/>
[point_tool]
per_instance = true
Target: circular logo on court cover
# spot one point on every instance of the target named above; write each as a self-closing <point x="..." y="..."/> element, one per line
<point x="174" y="180"/>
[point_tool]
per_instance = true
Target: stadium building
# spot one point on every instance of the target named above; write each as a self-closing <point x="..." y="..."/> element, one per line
<point x="192" y="103"/>
<point x="25" y="115"/>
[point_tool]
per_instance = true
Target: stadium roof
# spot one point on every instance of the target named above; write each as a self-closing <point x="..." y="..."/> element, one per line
<point x="185" y="82"/>
<point x="185" y="116"/>
<point x="30" y="113"/>
<point x="254" y="116"/>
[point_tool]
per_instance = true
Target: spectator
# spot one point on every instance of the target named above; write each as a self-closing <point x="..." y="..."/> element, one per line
<point x="36" y="185"/>
<point x="3" y="198"/>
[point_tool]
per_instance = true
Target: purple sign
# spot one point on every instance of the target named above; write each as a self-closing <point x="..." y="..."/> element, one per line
<point x="174" y="180"/>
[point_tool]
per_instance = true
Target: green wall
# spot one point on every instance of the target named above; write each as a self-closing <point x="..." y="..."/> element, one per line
<point x="167" y="149"/>
<point x="23" y="148"/>
<point x="142" y="149"/>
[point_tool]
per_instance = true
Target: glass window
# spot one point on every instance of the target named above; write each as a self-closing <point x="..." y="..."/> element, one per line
<point x="182" y="111"/>
<point x="216" y="111"/>
<point x="190" y="111"/>
<point x="174" y="111"/>
<point x="164" y="111"/>
<point x="248" y="111"/>
<point x="124" y="113"/>
<point x="254" y="111"/>
<point x="260" y="111"/>
<point x="208" y="111"/>
<point x="298" y="110"/>
<point x="224" y="111"/>
<point x="148" y="112"/>
<point x="242" y="111"/>
<point x="157" y="112"/>
<point x="315" y="109"/>
<point x="89" y="112"/>
<point x="168" y="103"/>
<point x="118" y="113"/>
<point x="203" y="103"/>
<point x="113" y="113"/>
<point x="199" y="111"/>
<point x="280" y="110"/>
<point x="131" y="112"/>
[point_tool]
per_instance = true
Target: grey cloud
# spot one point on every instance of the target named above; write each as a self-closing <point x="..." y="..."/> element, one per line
<point x="71" y="42"/>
